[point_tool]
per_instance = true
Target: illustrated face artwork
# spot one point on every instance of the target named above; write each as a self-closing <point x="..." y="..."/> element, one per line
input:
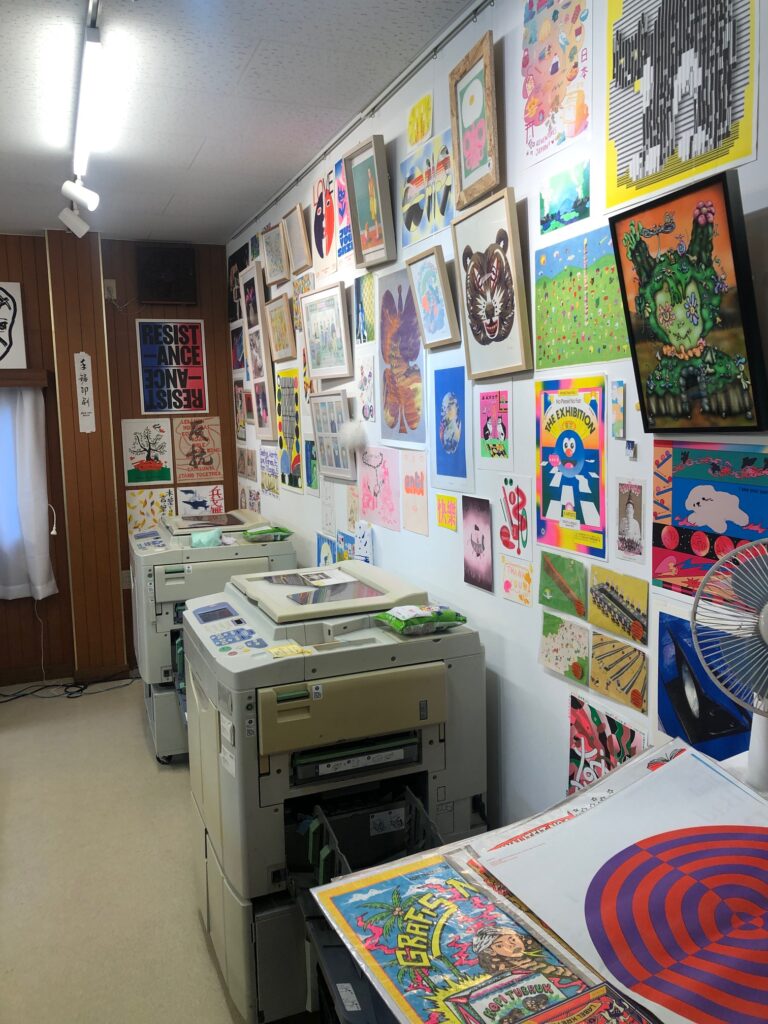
<point x="7" y="317"/>
<point x="490" y="291"/>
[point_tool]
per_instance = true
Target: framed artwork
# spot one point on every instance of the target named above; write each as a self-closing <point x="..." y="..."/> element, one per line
<point x="261" y="386"/>
<point x="432" y="295"/>
<point x="683" y="110"/>
<point x="708" y="498"/>
<point x="324" y="260"/>
<point x="299" y="252"/>
<point x="473" y="122"/>
<point x="237" y="261"/>
<point x="426" y="190"/>
<point x="274" y="252"/>
<point x="238" y="345"/>
<point x="302" y="285"/>
<point x="365" y="309"/>
<point x="282" y="340"/>
<point x="492" y="288"/>
<point x="401" y="366"/>
<point x="570" y="465"/>
<point x="690" y="310"/>
<point x="373" y="232"/>
<point x="451" y="425"/>
<point x="239" y="399"/>
<point x="326" y="332"/>
<point x="13" y="355"/>
<point x="329" y="414"/>
<point x="289" y="434"/>
<point x="249" y="300"/>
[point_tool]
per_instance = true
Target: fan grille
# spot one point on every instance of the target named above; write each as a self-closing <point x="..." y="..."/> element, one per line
<point x="726" y="621"/>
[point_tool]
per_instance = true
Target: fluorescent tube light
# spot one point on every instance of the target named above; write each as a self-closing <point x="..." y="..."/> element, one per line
<point x="89" y="101"/>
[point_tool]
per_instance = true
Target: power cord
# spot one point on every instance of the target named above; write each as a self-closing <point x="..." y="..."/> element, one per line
<point x="68" y="690"/>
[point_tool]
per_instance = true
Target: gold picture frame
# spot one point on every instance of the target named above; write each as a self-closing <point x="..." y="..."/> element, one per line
<point x="473" y="124"/>
<point x="282" y="340"/>
<point x="489" y="270"/>
<point x="433" y="297"/>
<point x="297" y="240"/>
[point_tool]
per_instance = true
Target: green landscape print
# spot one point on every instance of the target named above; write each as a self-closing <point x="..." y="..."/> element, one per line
<point x="579" y="314"/>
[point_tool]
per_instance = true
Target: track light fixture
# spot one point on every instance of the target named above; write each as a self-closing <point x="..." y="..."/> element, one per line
<point x="76" y="192"/>
<point x="72" y="220"/>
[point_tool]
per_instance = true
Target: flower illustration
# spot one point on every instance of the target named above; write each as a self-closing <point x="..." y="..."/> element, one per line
<point x="692" y="309"/>
<point x="665" y="314"/>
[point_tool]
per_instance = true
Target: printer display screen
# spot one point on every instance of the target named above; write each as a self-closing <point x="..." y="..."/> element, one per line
<point x="336" y="592"/>
<point x="221" y="611"/>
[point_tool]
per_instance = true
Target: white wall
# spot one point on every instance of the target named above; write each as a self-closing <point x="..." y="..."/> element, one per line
<point x="527" y="709"/>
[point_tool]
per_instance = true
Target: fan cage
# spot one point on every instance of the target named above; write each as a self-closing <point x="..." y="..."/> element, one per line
<point x="725" y="624"/>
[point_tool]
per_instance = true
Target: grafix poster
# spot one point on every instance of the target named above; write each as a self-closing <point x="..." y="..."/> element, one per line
<point x="197" y="449"/>
<point x="556" y="67"/>
<point x="172" y="366"/>
<point x="681" y="92"/>
<point x="570" y="464"/>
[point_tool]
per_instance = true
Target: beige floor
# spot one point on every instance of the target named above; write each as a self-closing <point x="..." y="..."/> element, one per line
<point x="97" y="915"/>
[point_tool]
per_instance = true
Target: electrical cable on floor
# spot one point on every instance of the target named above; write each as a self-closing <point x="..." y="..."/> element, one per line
<point x="42" y="630"/>
<point x="68" y="690"/>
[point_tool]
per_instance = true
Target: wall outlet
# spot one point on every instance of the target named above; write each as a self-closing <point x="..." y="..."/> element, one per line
<point x="110" y="289"/>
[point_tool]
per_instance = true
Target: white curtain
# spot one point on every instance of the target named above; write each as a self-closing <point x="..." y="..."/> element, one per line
<point x="25" y="563"/>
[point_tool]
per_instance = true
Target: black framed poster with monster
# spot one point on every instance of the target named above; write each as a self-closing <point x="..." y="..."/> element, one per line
<point x="690" y="310"/>
<point x="489" y="269"/>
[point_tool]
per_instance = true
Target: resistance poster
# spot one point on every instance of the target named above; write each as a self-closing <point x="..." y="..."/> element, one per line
<point x="570" y="464"/>
<point x="172" y="366"/>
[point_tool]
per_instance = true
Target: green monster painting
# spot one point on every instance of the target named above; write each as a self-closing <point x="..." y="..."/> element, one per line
<point x="679" y="298"/>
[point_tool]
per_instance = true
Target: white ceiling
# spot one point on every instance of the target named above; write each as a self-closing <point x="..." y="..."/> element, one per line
<point x="215" y="103"/>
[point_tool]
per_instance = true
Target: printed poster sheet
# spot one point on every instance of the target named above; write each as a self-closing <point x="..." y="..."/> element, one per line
<point x="570" y="478"/>
<point x="172" y="366"/>
<point x="660" y="888"/>
<point x="197" y="449"/>
<point x="147" y="456"/>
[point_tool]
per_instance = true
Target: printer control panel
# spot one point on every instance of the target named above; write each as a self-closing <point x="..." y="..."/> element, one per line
<point x="227" y="632"/>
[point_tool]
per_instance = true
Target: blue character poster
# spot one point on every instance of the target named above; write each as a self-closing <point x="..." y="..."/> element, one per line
<point x="345" y="546"/>
<point x="326" y="549"/>
<point x="310" y="466"/>
<point x="691" y="706"/>
<point x="443" y="950"/>
<point x="451" y="425"/>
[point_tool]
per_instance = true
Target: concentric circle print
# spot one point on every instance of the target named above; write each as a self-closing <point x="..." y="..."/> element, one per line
<point x="682" y="918"/>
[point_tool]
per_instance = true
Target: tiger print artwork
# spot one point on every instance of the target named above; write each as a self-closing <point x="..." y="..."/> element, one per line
<point x="490" y="293"/>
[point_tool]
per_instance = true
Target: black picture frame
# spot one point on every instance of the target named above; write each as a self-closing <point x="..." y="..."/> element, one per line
<point x="698" y="358"/>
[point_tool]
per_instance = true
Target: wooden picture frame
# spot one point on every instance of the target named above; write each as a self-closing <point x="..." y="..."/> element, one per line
<point x="249" y="297"/>
<point x="432" y="294"/>
<point x="297" y="240"/>
<point x="489" y="269"/>
<point x="274" y="255"/>
<point x="282" y="340"/>
<point x="370" y="204"/>
<point x="472" y="90"/>
<point x="262" y="381"/>
<point x="689" y="303"/>
<point x="326" y="332"/>
<point x="330" y="411"/>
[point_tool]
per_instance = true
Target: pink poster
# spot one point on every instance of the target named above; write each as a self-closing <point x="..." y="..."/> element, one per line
<point x="413" y="466"/>
<point x="380" y="487"/>
<point x="493" y="427"/>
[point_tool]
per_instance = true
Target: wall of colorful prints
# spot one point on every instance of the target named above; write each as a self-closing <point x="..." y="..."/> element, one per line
<point x="557" y="553"/>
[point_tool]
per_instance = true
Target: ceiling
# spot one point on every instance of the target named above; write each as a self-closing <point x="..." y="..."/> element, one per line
<point x="213" y="104"/>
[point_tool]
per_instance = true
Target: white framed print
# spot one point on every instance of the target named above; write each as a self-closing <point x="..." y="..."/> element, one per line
<point x="330" y="411"/>
<point x="326" y="332"/>
<point x="274" y="251"/>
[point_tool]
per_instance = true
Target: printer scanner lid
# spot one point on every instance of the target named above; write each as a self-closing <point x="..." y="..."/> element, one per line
<point x="229" y="522"/>
<point x="325" y="591"/>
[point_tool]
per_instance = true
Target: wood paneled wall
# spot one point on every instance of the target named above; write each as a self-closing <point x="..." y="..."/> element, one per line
<point x="23" y="259"/>
<point x="119" y="264"/>
<point x="77" y="308"/>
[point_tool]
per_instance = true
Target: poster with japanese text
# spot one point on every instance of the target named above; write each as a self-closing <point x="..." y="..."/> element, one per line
<point x="269" y="470"/>
<point x="570" y="464"/>
<point x="492" y="425"/>
<point x="172" y="366"/>
<point x="556" y="69"/>
<point x="205" y="499"/>
<point x="146" y="505"/>
<point x="197" y="449"/>
<point x="446" y="507"/>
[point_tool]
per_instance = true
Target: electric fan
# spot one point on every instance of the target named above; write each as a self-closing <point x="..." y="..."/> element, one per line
<point x="729" y="623"/>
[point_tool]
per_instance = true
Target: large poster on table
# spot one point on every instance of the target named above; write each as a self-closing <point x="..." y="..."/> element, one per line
<point x="172" y="366"/>
<point x="570" y="464"/>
